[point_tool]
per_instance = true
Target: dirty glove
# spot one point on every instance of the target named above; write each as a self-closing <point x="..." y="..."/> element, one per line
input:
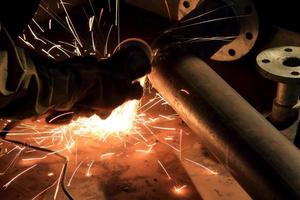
<point x="32" y="85"/>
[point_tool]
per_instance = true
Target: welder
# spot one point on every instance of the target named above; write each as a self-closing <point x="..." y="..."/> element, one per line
<point x="32" y="85"/>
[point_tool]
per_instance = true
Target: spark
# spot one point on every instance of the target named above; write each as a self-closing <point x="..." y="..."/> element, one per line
<point x="170" y="118"/>
<point x="39" y="194"/>
<point x="180" y="144"/>
<point x="34" y="35"/>
<point x="58" y="181"/>
<point x="161" y="165"/>
<point x="38" y="25"/>
<point x="73" y="31"/>
<point x="70" y="24"/>
<point x="163" y="128"/>
<point x="171" y="146"/>
<point x="152" y="106"/>
<point x="62" y="115"/>
<point x="106" y="155"/>
<point x="88" y="173"/>
<point x="169" y="138"/>
<point x="205" y="22"/>
<point x="30" y="151"/>
<point x="185" y="91"/>
<point x="16" y="147"/>
<point x="118" y="20"/>
<point x="59" y="48"/>
<point x="66" y="43"/>
<point x="26" y="42"/>
<point x="168" y="10"/>
<point x="50" y="174"/>
<point x="145" y="139"/>
<point x="200" y="165"/>
<point x="93" y="41"/>
<point x="50" y="24"/>
<point x="48" y="54"/>
<point x="100" y="17"/>
<point x="91" y="23"/>
<point x="109" y="6"/>
<point x="13" y="179"/>
<point x="179" y="189"/>
<point x="146" y="151"/>
<point x="53" y="15"/>
<point x="13" y="161"/>
<point x="69" y="183"/>
<point x="33" y="159"/>
<point x="107" y="38"/>
<point x="206" y="13"/>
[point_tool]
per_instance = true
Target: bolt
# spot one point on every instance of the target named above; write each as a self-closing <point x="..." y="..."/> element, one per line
<point x="282" y="65"/>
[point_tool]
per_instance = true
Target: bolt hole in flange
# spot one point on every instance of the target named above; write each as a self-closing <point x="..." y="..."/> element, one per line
<point x="292" y="62"/>
<point x="294" y="73"/>
<point x="288" y="50"/>
<point x="231" y="52"/>
<point x="266" y="61"/>
<point x="186" y="4"/>
<point x="249" y="36"/>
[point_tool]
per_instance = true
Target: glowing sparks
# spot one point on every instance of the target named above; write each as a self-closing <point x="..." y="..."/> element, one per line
<point x="180" y="144"/>
<point x="106" y="155"/>
<point x="165" y="170"/>
<point x="185" y="91"/>
<point x="50" y="174"/>
<point x="180" y="189"/>
<point x="76" y="169"/>
<point x="13" y="161"/>
<point x="120" y="123"/>
<point x="202" y="166"/>
<point x="59" y="116"/>
<point x="88" y="173"/>
<point x="17" y="176"/>
<point x="146" y="151"/>
<point x="91" y="23"/>
<point x="168" y="10"/>
<point x="58" y="181"/>
<point x="42" y="192"/>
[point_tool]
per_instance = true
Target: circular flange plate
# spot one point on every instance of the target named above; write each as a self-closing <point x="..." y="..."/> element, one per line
<point x="243" y="43"/>
<point x="281" y="64"/>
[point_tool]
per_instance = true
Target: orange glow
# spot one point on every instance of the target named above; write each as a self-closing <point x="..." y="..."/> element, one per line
<point x="179" y="190"/>
<point x="50" y="174"/>
<point x="119" y="123"/>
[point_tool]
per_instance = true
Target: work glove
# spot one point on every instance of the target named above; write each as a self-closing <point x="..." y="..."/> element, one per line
<point x="100" y="86"/>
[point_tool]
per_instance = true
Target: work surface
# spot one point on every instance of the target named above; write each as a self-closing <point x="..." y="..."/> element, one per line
<point x="160" y="159"/>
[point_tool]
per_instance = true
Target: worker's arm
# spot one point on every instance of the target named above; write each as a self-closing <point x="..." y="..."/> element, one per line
<point x="32" y="85"/>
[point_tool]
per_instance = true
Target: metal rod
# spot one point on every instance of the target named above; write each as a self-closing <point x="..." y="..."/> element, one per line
<point x="263" y="161"/>
<point x="283" y="111"/>
<point x="287" y="94"/>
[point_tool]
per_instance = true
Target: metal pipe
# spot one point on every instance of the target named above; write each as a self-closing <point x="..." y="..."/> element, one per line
<point x="283" y="111"/>
<point x="287" y="94"/>
<point x="264" y="162"/>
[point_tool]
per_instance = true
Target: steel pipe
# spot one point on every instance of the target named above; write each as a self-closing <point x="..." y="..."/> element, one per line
<point x="263" y="161"/>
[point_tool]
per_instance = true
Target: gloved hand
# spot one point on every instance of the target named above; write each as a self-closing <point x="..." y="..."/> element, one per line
<point x="106" y="84"/>
<point x="115" y="81"/>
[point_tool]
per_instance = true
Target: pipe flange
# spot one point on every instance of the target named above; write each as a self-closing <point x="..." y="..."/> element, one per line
<point x="249" y="27"/>
<point x="281" y="64"/>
